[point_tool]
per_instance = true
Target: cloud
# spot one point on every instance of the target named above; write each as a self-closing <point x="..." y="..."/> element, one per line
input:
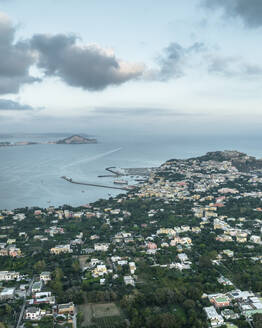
<point x="174" y="59"/>
<point x="252" y="70"/>
<point x="222" y="65"/>
<point x="15" y="59"/>
<point x="231" y="66"/>
<point x="87" y="66"/>
<point x="250" y="11"/>
<point x="7" y="104"/>
<point x="140" y="111"/>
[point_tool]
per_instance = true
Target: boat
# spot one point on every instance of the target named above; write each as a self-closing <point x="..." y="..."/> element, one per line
<point x="120" y="182"/>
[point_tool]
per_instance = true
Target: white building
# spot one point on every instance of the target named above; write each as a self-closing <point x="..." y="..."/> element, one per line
<point x="132" y="267"/>
<point x="101" y="247"/>
<point x="42" y="294"/>
<point x="7" y="293"/>
<point x="9" y="275"/>
<point x="215" y="319"/>
<point x="100" y="270"/>
<point x="45" y="276"/>
<point x="33" y="313"/>
<point x="129" y="281"/>
<point x="182" y="257"/>
<point x="37" y="286"/>
<point x="255" y="239"/>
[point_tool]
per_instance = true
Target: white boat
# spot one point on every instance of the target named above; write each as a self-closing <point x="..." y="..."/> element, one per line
<point x="120" y="182"/>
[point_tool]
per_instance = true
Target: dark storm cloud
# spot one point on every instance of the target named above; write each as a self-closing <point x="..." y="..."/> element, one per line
<point x="250" y="11"/>
<point x="89" y="67"/>
<point x="7" y="104"/>
<point x="15" y="59"/>
<point x="173" y="60"/>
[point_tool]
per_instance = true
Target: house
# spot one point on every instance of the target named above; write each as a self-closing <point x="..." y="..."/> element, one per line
<point x="132" y="267"/>
<point x="182" y="257"/>
<point x="3" y="252"/>
<point x="11" y="241"/>
<point x="196" y="229"/>
<point x="14" y="251"/>
<point x="224" y="281"/>
<point x="102" y="281"/>
<point x="166" y="231"/>
<point x="228" y="252"/>
<point x="7" y="293"/>
<point x="122" y="262"/>
<point x="9" y="275"/>
<point x="128" y="280"/>
<point x="42" y="294"/>
<point x="93" y="237"/>
<point x="229" y="314"/>
<point x="100" y="270"/>
<point x="77" y="215"/>
<point x="151" y="245"/>
<point x="241" y="239"/>
<point x="66" y="308"/>
<point x="37" y="286"/>
<point x="44" y="300"/>
<point x="45" y="276"/>
<point x="61" y="249"/>
<point x="32" y="313"/>
<point x="255" y="239"/>
<point x="101" y="247"/>
<point x="37" y="212"/>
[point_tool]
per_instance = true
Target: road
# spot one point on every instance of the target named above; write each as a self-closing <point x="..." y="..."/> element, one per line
<point x="28" y="293"/>
<point x="75" y="320"/>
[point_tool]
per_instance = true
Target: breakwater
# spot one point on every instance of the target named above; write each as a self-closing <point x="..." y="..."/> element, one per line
<point x="94" y="184"/>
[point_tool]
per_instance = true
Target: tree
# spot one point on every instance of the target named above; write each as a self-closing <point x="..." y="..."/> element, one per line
<point x="76" y="266"/>
<point x="205" y="261"/>
<point x="168" y="320"/>
<point x="257" y="320"/>
<point x="189" y="304"/>
<point x="39" y="266"/>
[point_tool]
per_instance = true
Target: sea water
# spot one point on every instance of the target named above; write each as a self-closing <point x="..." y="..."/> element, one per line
<point x="31" y="175"/>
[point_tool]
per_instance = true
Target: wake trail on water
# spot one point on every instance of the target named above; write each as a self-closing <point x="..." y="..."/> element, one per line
<point x="90" y="159"/>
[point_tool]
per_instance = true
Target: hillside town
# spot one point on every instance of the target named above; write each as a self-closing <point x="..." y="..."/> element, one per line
<point x="183" y="249"/>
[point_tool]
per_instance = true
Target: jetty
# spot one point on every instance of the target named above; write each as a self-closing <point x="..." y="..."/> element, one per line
<point x="109" y="169"/>
<point x="94" y="184"/>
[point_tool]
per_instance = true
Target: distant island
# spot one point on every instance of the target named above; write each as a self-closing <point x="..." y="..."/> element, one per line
<point x="76" y="139"/>
<point x="73" y="140"/>
<point x="18" y="143"/>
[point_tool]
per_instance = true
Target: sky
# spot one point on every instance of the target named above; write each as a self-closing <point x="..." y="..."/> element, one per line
<point x="131" y="66"/>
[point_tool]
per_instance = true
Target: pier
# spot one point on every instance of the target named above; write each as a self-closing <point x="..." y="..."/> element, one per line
<point x="95" y="185"/>
<point x="109" y="169"/>
<point x="140" y="171"/>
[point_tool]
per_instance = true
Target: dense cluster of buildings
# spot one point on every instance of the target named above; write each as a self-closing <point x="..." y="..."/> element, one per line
<point x="207" y="186"/>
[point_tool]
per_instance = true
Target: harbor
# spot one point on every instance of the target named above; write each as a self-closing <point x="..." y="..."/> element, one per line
<point x="140" y="175"/>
